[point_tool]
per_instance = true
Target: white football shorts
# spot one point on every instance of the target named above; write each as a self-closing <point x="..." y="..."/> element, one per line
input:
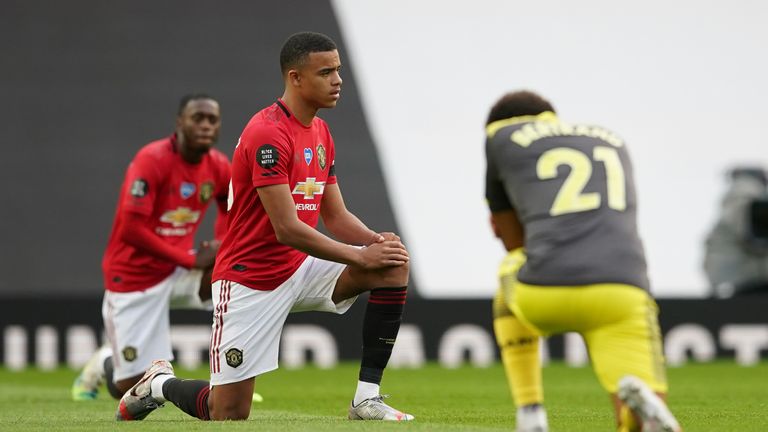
<point x="137" y="323"/>
<point x="247" y="323"/>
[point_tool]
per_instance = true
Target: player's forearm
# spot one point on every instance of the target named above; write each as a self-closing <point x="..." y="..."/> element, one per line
<point x="301" y="236"/>
<point x="144" y="240"/>
<point x="349" y="229"/>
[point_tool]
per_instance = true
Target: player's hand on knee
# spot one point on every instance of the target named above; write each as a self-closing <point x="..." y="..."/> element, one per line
<point x="390" y="236"/>
<point x="384" y="236"/>
<point x="384" y="254"/>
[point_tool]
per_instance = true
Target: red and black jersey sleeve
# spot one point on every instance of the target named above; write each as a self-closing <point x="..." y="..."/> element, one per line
<point x="332" y="158"/>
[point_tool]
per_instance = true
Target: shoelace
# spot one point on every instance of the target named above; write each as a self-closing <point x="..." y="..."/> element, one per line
<point x="380" y="398"/>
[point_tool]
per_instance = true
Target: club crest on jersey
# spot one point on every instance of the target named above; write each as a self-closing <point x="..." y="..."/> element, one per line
<point x="206" y="191"/>
<point x="321" y="156"/>
<point x="130" y="353"/>
<point x="309" y="188"/>
<point x="307" y="155"/>
<point x="187" y="189"/>
<point x="234" y="357"/>
<point x="180" y="217"/>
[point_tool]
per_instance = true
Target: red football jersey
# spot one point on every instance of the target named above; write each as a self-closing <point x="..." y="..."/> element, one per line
<point x="274" y="148"/>
<point x="173" y="194"/>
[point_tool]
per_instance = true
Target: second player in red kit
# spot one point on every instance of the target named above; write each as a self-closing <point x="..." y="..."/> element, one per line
<point x="150" y="265"/>
<point x="162" y="202"/>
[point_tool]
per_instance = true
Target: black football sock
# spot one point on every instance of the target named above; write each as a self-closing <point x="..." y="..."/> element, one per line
<point x="191" y="396"/>
<point x="381" y="324"/>
<point x="109" y="374"/>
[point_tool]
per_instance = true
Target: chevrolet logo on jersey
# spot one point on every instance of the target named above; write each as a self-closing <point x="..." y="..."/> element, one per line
<point x="180" y="217"/>
<point x="309" y="188"/>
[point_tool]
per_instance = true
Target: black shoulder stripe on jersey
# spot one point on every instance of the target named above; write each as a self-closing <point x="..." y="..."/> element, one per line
<point x="285" y="110"/>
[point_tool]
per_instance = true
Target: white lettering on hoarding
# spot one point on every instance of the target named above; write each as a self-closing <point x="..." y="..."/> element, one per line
<point x="309" y="343"/>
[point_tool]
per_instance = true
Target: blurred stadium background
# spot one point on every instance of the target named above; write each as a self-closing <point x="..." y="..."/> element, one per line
<point x="85" y="83"/>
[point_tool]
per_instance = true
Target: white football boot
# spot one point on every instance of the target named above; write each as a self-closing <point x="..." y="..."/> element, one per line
<point x="647" y="405"/>
<point x="375" y="409"/>
<point x="138" y="402"/>
<point x="531" y="418"/>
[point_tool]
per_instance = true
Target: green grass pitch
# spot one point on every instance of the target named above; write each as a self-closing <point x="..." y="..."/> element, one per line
<point x="716" y="396"/>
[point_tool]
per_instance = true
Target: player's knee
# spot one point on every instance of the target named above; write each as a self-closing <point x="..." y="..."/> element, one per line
<point x="396" y="276"/>
<point x="230" y="410"/>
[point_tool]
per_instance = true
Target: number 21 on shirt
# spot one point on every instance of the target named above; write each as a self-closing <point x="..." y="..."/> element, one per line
<point x="571" y="197"/>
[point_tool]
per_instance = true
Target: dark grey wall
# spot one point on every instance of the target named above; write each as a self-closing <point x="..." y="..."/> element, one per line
<point x="85" y="84"/>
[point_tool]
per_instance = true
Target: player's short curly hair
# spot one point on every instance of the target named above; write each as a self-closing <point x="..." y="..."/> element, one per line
<point x="518" y="103"/>
<point x="298" y="47"/>
<point x="187" y="98"/>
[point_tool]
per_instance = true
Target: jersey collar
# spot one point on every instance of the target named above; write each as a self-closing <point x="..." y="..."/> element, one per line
<point x="290" y="115"/>
<point x="492" y="128"/>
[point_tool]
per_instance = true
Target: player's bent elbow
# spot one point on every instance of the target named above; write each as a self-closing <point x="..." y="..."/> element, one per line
<point x="282" y="238"/>
<point x="130" y="236"/>
<point x="285" y="235"/>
